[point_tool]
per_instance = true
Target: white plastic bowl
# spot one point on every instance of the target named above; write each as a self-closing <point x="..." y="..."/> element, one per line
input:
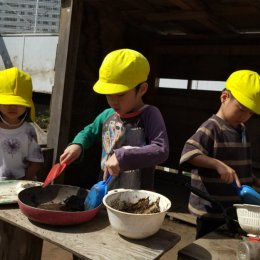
<point x="249" y="218"/>
<point x="132" y="225"/>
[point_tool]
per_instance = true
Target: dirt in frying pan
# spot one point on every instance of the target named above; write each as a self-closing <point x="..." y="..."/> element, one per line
<point x="71" y="204"/>
<point x="142" y="206"/>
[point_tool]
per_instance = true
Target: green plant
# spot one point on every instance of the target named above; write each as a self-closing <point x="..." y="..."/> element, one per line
<point x="42" y="118"/>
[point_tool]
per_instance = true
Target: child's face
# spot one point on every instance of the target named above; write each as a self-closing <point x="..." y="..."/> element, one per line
<point x="232" y="111"/>
<point x="127" y="102"/>
<point x="12" y="112"/>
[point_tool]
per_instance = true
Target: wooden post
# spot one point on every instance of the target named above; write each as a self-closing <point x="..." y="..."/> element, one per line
<point x="65" y="69"/>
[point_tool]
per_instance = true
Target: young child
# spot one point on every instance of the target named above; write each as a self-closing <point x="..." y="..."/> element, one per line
<point x="133" y="135"/>
<point x="21" y="156"/>
<point x="219" y="152"/>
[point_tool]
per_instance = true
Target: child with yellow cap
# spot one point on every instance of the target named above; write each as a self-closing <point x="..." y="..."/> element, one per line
<point x="219" y="152"/>
<point x="21" y="156"/>
<point x="133" y="134"/>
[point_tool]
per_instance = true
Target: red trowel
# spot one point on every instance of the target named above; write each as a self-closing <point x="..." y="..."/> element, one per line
<point x="55" y="171"/>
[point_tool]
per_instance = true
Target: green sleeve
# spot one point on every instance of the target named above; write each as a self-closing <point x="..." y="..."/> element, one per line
<point x="93" y="131"/>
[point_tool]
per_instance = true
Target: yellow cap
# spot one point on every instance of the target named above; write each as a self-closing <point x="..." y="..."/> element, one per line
<point x="16" y="89"/>
<point x="245" y="87"/>
<point x="120" y="71"/>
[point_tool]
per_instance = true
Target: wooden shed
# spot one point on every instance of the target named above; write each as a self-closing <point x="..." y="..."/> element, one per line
<point x="182" y="39"/>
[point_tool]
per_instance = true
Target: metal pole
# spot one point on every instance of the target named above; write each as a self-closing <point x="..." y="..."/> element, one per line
<point x="36" y="16"/>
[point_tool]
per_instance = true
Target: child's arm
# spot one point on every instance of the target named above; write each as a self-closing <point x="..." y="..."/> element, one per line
<point x="32" y="170"/>
<point x="156" y="150"/>
<point x="85" y="138"/>
<point x="227" y="174"/>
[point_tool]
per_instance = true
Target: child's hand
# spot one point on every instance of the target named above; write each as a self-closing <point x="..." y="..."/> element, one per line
<point x="70" y="154"/>
<point x="112" y="166"/>
<point x="227" y="174"/>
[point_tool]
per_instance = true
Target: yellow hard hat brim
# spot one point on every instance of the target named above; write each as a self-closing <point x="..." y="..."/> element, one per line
<point x="247" y="102"/>
<point x="110" y="88"/>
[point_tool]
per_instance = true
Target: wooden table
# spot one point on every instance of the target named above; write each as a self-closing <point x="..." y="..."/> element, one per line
<point x="22" y="239"/>
<point x="216" y="245"/>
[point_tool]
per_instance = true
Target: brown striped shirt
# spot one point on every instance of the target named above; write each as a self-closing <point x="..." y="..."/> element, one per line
<point x="216" y="139"/>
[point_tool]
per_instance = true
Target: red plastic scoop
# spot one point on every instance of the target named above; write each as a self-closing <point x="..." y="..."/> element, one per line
<point x="55" y="171"/>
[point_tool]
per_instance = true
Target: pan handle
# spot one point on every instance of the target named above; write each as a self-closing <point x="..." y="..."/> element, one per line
<point x="204" y="195"/>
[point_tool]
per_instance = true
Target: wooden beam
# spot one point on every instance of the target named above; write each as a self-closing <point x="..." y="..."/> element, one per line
<point x="65" y="69"/>
<point x="187" y="4"/>
<point x="207" y="20"/>
<point x="193" y="14"/>
<point x="209" y="49"/>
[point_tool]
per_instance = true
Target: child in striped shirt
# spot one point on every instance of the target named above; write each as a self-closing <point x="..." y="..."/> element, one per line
<point x="219" y="152"/>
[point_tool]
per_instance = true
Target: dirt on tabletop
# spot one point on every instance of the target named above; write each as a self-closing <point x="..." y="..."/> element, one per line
<point x="142" y="206"/>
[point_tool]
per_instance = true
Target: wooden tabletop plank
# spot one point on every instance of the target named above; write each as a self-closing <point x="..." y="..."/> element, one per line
<point x="94" y="239"/>
<point x="214" y="246"/>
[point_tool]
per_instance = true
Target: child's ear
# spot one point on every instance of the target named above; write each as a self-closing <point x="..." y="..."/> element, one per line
<point x="143" y="88"/>
<point x="224" y="96"/>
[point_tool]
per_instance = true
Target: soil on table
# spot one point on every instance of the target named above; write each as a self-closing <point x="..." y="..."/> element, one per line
<point x="142" y="206"/>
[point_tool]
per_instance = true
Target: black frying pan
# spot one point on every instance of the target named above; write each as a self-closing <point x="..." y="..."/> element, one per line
<point x="229" y="213"/>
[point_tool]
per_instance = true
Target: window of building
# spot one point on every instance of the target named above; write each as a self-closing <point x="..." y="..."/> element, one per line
<point x="194" y="84"/>
<point x="173" y="83"/>
<point x="31" y="13"/>
<point x="207" y="85"/>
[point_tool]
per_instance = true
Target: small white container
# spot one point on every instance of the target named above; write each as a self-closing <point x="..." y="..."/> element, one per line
<point x="132" y="225"/>
<point x="249" y="218"/>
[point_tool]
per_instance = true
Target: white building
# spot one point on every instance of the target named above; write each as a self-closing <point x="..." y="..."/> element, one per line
<point x="29" y="37"/>
<point x="29" y="16"/>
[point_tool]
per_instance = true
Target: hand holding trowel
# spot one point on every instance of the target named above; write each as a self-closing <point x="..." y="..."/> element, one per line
<point x="96" y="194"/>
<point x="71" y="153"/>
<point x="99" y="190"/>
